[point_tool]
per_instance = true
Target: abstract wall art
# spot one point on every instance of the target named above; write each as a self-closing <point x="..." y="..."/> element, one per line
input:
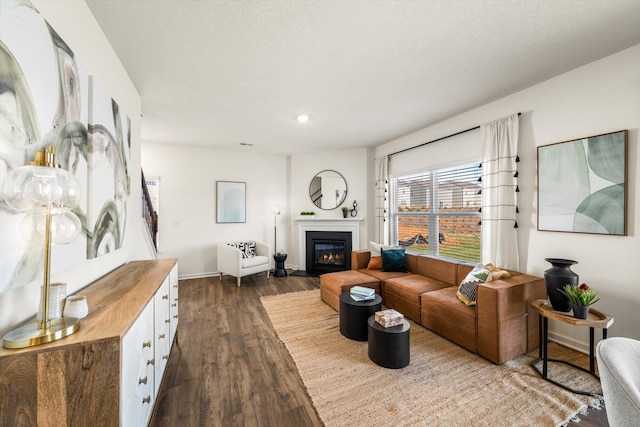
<point x="43" y="102"/>
<point x="109" y="173"/>
<point x="582" y="185"/>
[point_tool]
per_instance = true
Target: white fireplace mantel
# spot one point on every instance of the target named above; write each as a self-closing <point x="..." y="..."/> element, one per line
<point x="325" y="224"/>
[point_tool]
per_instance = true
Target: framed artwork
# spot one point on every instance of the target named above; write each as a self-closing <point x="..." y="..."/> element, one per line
<point x="231" y="201"/>
<point x="109" y="153"/>
<point x="45" y="102"/>
<point x="582" y="185"/>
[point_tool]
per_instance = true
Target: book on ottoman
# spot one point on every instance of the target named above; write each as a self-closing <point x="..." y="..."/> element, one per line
<point x="389" y="318"/>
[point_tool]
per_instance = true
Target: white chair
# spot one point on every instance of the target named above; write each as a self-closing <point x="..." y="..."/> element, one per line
<point x="230" y="261"/>
<point x="619" y="368"/>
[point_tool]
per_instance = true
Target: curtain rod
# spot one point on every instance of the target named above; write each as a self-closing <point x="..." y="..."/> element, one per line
<point x="439" y="139"/>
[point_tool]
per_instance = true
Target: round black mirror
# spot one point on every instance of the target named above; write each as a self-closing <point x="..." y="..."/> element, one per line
<point x="328" y="189"/>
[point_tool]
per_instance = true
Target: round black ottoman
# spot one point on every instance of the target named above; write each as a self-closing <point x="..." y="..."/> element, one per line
<point x="354" y="315"/>
<point x="389" y="347"/>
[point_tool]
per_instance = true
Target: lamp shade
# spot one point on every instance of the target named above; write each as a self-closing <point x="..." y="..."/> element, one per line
<point x="39" y="188"/>
<point x="65" y="227"/>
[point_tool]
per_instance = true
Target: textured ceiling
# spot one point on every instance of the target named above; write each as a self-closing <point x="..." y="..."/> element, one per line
<point x="222" y="73"/>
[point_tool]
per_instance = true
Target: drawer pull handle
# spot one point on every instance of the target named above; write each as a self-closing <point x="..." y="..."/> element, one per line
<point x="146" y="344"/>
<point x="146" y="399"/>
<point x="167" y="321"/>
<point x="142" y="380"/>
<point x="175" y="304"/>
<point x="175" y="317"/>
<point x="165" y="296"/>
<point x="165" y="357"/>
<point x="175" y="286"/>
<point x="151" y="362"/>
<point x="160" y="336"/>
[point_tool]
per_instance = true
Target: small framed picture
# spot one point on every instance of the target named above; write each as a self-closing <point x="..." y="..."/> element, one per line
<point x="231" y="200"/>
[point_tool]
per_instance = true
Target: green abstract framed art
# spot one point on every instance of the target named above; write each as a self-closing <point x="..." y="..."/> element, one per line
<point x="582" y="185"/>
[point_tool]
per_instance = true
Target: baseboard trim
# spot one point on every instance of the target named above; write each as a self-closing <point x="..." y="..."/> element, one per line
<point x="569" y="342"/>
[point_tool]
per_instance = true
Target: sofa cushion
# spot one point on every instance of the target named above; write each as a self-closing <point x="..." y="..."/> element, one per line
<point x="382" y="275"/>
<point x="442" y="312"/>
<point x="248" y="249"/>
<point x="332" y="285"/>
<point x="438" y="269"/>
<point x="410" y="287"/>
<point x="254" y="260"/>
<point x="393" y="260"/>
<point x="468" y="288"/>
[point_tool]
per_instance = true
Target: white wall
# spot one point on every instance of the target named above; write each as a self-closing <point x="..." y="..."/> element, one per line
<point x="597" y="98"/>
<point x="354" y="165"/>
<point x="187" y="194"/>
<point x="73" y="21"/>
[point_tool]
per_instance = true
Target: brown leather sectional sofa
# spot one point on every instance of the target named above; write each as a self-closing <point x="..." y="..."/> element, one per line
<point x="499" y="327"/>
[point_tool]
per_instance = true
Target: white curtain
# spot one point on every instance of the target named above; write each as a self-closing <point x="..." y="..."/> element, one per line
<point x="382" y="202"/>
<point x="499" y="192"/>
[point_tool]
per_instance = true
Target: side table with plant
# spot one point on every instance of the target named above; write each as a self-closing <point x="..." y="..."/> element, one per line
<point x="580" y="297"/>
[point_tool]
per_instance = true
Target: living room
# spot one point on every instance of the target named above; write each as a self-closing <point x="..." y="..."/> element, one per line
<point x="593" y="99"/>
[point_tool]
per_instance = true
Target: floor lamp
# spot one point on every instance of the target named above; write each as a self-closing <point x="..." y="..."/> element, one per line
<point x="276" y="212"/>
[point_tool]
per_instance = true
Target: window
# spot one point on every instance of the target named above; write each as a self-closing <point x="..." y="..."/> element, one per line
<point x="438" y="212"/>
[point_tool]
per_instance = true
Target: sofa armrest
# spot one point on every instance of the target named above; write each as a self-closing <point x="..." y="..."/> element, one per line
<point x="506" y="326"/>
<point x="263" y="249"/>
<point x="360" y="259"/>
<point x="229" y="259"/>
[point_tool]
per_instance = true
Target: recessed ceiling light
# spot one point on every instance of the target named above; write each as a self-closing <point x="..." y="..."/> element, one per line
<point x="303" y="118"/>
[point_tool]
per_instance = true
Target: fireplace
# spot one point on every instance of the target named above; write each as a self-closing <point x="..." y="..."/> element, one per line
<point x="328" y="251"/>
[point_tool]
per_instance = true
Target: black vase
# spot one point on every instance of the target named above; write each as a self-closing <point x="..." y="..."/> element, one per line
<point x="557" y="277"/>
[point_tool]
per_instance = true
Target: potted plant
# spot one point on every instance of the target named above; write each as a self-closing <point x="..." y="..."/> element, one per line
<point x="345" y="211"/>
<point x="309" y="214"/>
<point x="580" y="297"/>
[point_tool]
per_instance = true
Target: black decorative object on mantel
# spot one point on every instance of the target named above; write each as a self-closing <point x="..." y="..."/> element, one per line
<point x="353" y="211"/>
<point x="555" y="278"/>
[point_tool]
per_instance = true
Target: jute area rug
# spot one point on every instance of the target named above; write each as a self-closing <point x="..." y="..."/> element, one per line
<point x="444" y="385"/>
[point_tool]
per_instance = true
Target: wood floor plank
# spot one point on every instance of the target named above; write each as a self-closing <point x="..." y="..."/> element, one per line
<point x="228" y="367"/>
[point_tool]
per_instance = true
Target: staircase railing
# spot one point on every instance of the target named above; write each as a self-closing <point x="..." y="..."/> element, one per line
<point x="150" y="216"/>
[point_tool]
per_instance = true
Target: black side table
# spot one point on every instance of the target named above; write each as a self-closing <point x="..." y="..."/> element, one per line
<point x="389" y="347"/>
<point x="280" y="271"/>
<point x="354" y="315"/>
<point x="595" y="319"/>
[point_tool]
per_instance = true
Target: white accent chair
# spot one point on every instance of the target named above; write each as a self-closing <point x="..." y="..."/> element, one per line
<point x="230" y="261"/>
<point x="619" y="368"/>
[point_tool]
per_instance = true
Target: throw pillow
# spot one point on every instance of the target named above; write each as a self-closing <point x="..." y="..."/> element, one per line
<point x="497" y="273"/>
<point x="248" y="249"/>
<point x="375" y="263"/>
<point x="393" y="260"/>
<point x="375" y="248"/>
<point x="468" y="288"/>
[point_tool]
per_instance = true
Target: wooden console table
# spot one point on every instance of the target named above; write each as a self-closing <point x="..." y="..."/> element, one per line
<point x="595" y="319"/>
<point x="109" y="371"/>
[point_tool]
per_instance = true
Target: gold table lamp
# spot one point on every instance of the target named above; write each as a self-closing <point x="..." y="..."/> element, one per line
<point x="47" y="194"/>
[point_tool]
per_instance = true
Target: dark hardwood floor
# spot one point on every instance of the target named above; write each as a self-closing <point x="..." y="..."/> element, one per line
<point x="228" y="368"/>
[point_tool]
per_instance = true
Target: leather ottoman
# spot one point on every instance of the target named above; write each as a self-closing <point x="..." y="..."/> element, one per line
<point x="332" y="285"/>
